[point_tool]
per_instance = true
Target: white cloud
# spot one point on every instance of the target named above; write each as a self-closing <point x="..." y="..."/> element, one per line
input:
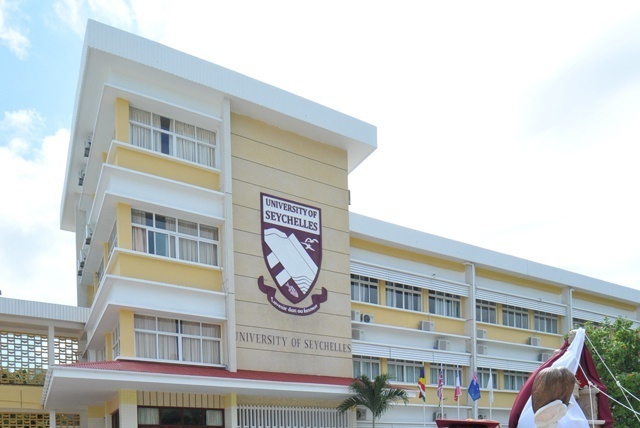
<point x="10" y="36"/>
<point x="37" y="258"/>
<point x="75" y="13"/>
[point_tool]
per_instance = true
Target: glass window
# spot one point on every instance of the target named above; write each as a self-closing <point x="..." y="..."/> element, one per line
<point x="176" y="238"/>
<point x="369" y="366"/>
<point x="448" y="374"/>
<point x="513" y="381"/>
<point x="404" y="296"/>
<point x="172" y="137"/>
<point x="444" y="304"/>
<point x="545" y="322"/>
<point x="364" y="289"/>
<point x="486" y="311"/>
<point x="404" y="371"/>
<point x="179" y="417"/>
<point x="177" y="340"/>
<point x="483" y="378"/>
<point x="513" y="316"/>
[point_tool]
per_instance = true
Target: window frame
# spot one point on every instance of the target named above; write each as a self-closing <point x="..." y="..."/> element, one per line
<point x="409" y="370"/>
<point x="449" y="374"/>
<point x="364" y="289"/>
<point x="514" y="380"/>
<point x="156" y="334"/>
<point x="169" y="137"/>
<point x="409" y="295"/>
<point x="491" y="309"/>
<point x="545" y="322"/>
<point x="515" y="313"/>
<point x="445" y="304"/>
<point x="362" y="362"/>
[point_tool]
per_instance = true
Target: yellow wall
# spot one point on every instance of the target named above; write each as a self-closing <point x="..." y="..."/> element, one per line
<point x="171" y="271"/>
<point x="127" y="336"/>
<point x="163" y="166"/>
<point x="282" y="164"/>
<point x="20" y="397"/>
<point x="122" y="120"/>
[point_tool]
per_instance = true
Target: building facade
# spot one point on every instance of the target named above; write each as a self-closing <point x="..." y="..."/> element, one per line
<point x="223" y="282"/>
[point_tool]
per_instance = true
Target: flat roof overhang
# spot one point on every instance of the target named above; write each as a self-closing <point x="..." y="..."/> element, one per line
<point x="76" y="386"/>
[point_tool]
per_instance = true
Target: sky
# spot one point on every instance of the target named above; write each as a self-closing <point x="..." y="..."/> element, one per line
<point x="513" y="126"/>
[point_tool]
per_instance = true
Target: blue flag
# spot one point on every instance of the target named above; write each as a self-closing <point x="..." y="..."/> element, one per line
<point x="474" y="388"/>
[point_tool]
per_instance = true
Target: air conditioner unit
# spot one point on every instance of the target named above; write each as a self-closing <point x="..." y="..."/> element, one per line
<point x="81" y="177"/>
<point x="482" y="349"/>
<point x="357" y="334"/>
<point x="534" y="341"/>
<point x="355" y="315"/>
<point x="88" y="234"/>
<point x="427" y="325"/>
<point x="482" y="416"/>
<point x="87" y="146"/>
<point x="544" y="356"/>
<point x="481" y="333"/>
<point x="361" y="414"/>
<point x="439" y="415"/>
<point x="443" y="345"/>
<point x="368" y="318"/>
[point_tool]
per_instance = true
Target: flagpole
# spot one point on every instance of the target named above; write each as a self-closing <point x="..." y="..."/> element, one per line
<point x="491" y="395"/>
<point x="441" y="392"/>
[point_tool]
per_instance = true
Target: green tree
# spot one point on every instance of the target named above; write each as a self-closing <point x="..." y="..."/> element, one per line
<point x="618" y="344"/>
<point x="377" y="395"/>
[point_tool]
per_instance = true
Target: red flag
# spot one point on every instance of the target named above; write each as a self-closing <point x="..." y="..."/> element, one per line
<point x="458" y="392"/>
<point x="422" y="386"/>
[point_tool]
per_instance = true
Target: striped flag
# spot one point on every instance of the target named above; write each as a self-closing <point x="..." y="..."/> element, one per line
<point x="440" y="385"/>
<point x="458" y="392"/>
<point x="422" y="386"/>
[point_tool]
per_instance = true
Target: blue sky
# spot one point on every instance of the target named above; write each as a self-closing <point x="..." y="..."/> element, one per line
<point x="508" y="125"/>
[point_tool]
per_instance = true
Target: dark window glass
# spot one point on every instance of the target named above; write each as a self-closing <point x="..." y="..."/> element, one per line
<point x="169" y="416"/>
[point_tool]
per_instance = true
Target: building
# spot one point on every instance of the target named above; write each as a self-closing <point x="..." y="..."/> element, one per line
<point x="215" y="248"/>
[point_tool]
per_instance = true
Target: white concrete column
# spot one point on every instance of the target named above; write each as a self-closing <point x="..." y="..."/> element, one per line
<point x="128" y="409"/>
<point x="52" y="419"/>
<point x="231" y="411"/>
<point x="51" y="336"/>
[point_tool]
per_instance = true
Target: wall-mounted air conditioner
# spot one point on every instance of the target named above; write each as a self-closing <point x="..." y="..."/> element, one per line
<point x="427" y="325"/>
<point x="544" y="356"/>
<point x="482" y="349"/>
<point x="534" y="341"/>
<point x="361" y="414"/>
<point x="443" y="345"/>
<point x="368" y="318"/>
<point x="88" y="234"/>
<point x="438" y="415"/>
<point x="81" y="177"/>
<point x="482" y="416"/>
<point x="87" y="146"/>
<point x="355" y="315"/>
<point x="481" y="333"/>
<point x="357" y="334"/>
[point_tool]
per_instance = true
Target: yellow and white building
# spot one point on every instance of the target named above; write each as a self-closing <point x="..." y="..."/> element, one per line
<point x="223" y="282"/>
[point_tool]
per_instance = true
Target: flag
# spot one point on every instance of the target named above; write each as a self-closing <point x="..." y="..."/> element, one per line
<point x="490" y="387"/>
<point x="474" y="388"/>
<point x="422" y="386"/>
<point x="440" y="385"/>
<point x="458" y="392"/>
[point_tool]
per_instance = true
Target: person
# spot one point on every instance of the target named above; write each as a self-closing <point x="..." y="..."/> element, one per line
<point x="551" y="394"/>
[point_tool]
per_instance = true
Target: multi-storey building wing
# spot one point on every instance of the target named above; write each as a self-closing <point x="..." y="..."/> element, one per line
<point x="222" y="280"/>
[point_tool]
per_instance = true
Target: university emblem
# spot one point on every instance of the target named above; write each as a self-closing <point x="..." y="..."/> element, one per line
<point x="292" y="250"/>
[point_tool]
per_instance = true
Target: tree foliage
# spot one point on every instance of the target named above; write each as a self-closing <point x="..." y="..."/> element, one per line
<point x="616" y="351"/>
<point x="377" y="395"/>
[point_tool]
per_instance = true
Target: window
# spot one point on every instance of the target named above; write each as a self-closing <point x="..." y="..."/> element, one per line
<point x="404" y="371"/>
<point x="115" y="342"/>
<point x="364" y="289"/>
<point x="444" y="304"/>
<point x="175" y="238"/>
<point x="486" y="311"/>
<point x="172" y="137"/>
<point x="513" y="381"/>
<point x="513" y="316"/>
<point x="448" y="374"/>
<point x="369" y="366"/>
<point x="177" y="340"/>
<point x="545" y="322"/>
<point x="483" y="378"/>
<point x="404" y="296"/>
<point x="179" y="417"/>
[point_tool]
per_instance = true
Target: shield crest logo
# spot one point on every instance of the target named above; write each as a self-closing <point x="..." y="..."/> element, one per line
<point x="291" y="245"/>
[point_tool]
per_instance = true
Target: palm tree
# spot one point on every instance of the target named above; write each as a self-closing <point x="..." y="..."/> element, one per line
<point x="376" y="395"/>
